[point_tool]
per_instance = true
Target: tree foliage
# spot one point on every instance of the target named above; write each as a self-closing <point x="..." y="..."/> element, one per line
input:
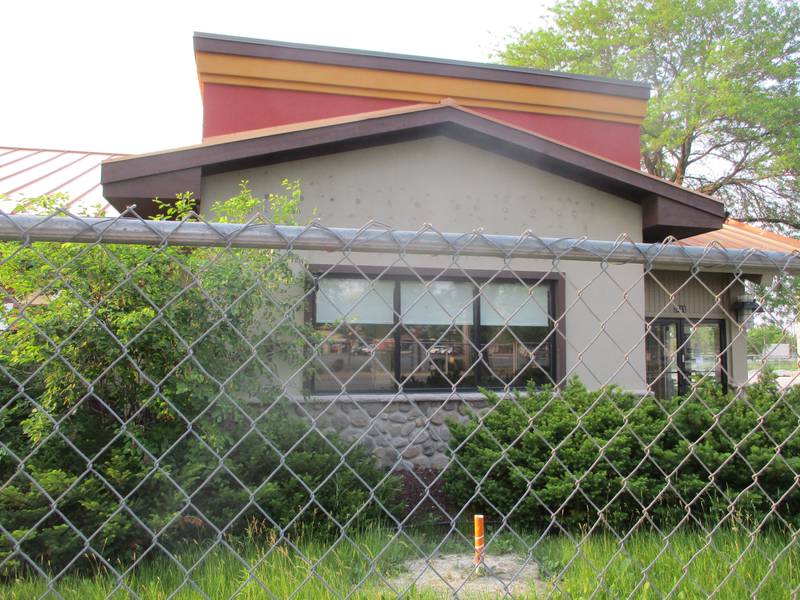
<point x="141" y="401"/>
<point x="760" y="338"/>
<point x="723" y="116"/>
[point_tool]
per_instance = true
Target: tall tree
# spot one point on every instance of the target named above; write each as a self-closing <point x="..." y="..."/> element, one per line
<point x="724" y="116"/>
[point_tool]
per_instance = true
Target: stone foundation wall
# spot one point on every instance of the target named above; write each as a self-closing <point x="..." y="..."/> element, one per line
<point x="409" y="431"/>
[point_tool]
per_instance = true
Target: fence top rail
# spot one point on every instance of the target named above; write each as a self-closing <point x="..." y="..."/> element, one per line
<point x="375" y="237"/>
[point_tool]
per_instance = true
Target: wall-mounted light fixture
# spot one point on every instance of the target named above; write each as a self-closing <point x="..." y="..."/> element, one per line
<point x="745" y="305"/>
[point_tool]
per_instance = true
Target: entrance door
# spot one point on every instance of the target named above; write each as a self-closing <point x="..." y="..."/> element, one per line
<point x="679" y="350"/>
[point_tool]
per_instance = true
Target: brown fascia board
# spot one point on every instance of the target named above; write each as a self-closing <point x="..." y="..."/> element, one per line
<point x="662" y="217"/>
<point x="140" y="191"/>
<point x="251" y="47"/>
<point x="239" y="152"/>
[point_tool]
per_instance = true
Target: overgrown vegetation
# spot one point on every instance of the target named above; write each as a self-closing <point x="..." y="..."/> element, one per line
<point x="644" y="567"/>
<point x="577" y="456"/>
<point x="140" y="401"/>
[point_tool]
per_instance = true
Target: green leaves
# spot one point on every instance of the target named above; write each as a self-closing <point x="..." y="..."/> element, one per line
<point x="128" y="369"/>
<point x="760" y="338"/>
<point x="723" y="117"/>
<point x="581" y="453"/>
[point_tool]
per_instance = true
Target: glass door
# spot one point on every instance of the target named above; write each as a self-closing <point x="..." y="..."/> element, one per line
<point x="702" y="358"/>
<point x="662" y="358"/>
<point x="680" y="350"/>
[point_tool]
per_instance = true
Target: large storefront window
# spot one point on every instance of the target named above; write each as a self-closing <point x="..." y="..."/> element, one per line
<point x="680" y="351"/>
<point x="439" y="335"/>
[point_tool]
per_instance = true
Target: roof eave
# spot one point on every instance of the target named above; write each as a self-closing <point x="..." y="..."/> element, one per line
<point x="679" y="210"/>
<point x="259" y="48"/>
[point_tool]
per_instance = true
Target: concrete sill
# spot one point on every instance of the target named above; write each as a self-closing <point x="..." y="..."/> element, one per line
<point x="390" y="398"/>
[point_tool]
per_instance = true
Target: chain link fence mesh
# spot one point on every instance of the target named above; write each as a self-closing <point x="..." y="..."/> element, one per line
<point x="194" y="409"/>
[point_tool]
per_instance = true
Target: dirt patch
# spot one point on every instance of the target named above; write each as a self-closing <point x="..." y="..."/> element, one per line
<point x="419" y="492"/>
<point x="505" y="576"/>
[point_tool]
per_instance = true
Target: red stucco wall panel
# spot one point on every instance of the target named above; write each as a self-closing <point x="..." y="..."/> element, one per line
<point x="229" y="109"/>
<point x="616" y="141"/>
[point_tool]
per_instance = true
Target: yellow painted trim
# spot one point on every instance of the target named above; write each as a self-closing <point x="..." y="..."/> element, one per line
<point x="331" y="79"/>
<point x="428" y="98"/>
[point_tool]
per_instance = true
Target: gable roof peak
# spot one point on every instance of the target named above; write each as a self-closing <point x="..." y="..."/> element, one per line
<point x="668" y="209"/>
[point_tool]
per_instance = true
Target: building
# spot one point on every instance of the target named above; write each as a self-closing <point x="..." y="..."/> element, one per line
<point x="408" y="140"/>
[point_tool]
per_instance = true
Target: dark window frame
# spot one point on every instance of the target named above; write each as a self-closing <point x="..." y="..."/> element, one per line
<point x="684" y="383"/>
<point x="556" y="312"/>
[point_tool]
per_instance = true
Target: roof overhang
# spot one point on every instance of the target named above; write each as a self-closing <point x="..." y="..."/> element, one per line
<point x="743" y="236"/>
<point x="405" y="63"/>
<point x="235" y="61"/>
<point x="668" y="209"/>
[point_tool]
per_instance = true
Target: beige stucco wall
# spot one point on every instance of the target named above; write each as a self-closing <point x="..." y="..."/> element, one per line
<point x="452" y="185"/>
<point x="458" y="188"/>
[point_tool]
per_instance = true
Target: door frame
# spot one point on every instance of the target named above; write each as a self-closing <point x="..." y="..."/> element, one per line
<point x="680" y="358"/>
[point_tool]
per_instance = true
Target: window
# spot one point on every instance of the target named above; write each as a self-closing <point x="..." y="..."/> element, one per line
<point x="435" y="335"/>
<point x="680" y="350"/>
<point x="357" y="318"/>
<point x="437" y="326"/>
<point x="514" y="323"/>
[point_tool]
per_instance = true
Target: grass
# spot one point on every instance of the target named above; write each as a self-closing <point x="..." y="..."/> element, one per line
<point x="689" y="566"/>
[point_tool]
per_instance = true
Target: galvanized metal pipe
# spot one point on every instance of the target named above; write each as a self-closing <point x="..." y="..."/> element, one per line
<point x="29" y="228"/>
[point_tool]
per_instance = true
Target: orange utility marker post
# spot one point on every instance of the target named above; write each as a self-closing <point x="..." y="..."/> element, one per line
<point x="478" y="560"/>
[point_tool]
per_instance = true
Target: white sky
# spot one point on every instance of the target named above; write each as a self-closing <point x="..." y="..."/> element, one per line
<point x="120" y="76"/>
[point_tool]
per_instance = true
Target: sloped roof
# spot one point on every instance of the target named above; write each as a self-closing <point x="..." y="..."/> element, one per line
<point x="741" y="236"/>
<point x="667" y="207"/>
<point x="405" y="63"/>
<point x="32" y="172"/>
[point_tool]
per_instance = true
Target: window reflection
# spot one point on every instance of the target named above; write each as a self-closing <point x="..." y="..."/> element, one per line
<point x="681" y="352"/>
<point x="436" y="356"/>
<point x="703" y="355"/>
<point x="356" y="357"/>
<point x="355" y="316"/>
<point x="435" y="339"/>
<point x="426" y="335"/>
<point x="515" y="355"/>
<point x="662" y="359"/>
<point x="514" y="333"/>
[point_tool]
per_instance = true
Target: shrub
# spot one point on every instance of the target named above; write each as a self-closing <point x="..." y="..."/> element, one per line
<point x="576" y="455"/>
<point x="138" y="399"/>
<point x="319" y="484"/>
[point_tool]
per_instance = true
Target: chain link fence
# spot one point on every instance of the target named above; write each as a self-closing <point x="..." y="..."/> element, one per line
<point x="198" y="409"/>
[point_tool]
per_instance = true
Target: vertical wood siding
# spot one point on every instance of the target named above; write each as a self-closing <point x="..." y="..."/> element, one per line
<point x="673" y="293"/>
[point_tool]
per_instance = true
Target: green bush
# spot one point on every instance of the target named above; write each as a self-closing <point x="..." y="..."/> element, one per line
<point x="139" y="401"/>
<point x="313" y="487"/>
<point x="575" y="456"/>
